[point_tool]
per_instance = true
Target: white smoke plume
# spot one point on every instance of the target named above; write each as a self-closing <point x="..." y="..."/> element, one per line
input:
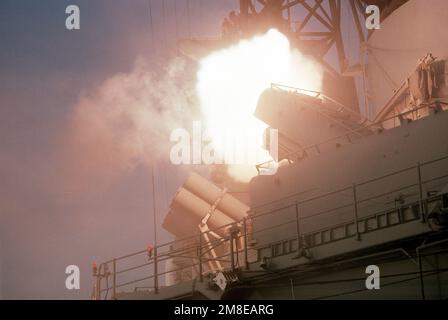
<point x="127" y="121"/>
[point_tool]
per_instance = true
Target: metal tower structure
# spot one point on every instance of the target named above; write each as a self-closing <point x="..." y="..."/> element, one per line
<point x="318" y="29"/>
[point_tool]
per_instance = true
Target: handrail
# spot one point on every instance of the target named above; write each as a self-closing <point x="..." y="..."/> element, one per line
<point x="188" y="251"/>
<point x="349" y="187"/>
<point x="316" y="145"/>
<point x="321" y="94"/>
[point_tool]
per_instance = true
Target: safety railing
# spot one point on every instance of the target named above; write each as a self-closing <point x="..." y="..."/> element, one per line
<point x="319" y="94"/>
<point x="318" y="146"/>
<point x="239" y="237"/>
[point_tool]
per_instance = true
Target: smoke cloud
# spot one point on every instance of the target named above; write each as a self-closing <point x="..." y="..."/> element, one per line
<point x="127" y="121"/>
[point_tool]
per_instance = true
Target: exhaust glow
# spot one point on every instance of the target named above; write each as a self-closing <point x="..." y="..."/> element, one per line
<point x="231" y="80"/>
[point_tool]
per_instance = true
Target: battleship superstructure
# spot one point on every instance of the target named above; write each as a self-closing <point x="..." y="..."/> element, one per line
<point x="353" y="190"/>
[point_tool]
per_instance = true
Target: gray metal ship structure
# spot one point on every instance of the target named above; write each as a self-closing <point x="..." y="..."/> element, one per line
<point x="354" y="189"/>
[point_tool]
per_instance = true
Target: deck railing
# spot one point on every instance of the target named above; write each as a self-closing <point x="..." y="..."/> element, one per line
<point x="142" y="268"/>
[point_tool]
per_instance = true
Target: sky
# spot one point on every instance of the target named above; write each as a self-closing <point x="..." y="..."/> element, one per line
<point x="52" y="214"/>
<point x="45" y="224"/>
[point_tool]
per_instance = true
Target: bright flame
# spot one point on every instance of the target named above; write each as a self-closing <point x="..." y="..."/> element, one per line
<point x="230" y="82"/>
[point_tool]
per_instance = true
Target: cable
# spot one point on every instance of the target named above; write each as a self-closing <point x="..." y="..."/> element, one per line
<point x="426" y="273"/>
<point x="165" y="187"/>
<point x="164" y="25"/>
<point x="188" y="18"/>
<point x="151" y="24"/>
<point x="175" y="18"/>
<point x="384" y="285"/>
<point x="154" y="208"/>
<point x="312" y="268"/>
<point x="388" y="76"/>
<point x="201" y="18"/>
